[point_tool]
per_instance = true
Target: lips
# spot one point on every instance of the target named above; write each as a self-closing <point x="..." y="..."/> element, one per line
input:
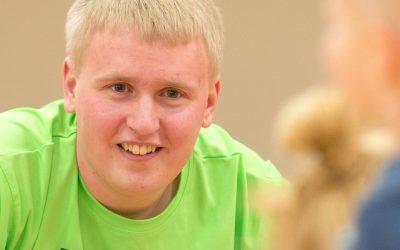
<point x="136" y="149"/>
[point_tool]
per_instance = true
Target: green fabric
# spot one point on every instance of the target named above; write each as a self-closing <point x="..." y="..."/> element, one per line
<point x="45" y="205"/>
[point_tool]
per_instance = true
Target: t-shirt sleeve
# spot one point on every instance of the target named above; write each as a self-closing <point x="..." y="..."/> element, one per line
<point x="6" y="208"/>
<point x="261" y="173"/>
<point x="273" y="174"/>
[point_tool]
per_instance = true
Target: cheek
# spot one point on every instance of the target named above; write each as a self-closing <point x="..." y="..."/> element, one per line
<point x="184" y="124"/>
<point x="341" y="71"/>
<point x="98" y="121"/>
<point x="342" y="60"/>
<point x="346" y="63"/>
<point x="335" y="54"/>
<point x="183" y="127"/>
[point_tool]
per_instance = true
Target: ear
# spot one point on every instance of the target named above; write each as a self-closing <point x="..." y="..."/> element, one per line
<point x="70" y="83"/>
<point x="213" y="95"/>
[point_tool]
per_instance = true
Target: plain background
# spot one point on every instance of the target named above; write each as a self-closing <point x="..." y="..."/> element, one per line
<point x="271" y="53"/>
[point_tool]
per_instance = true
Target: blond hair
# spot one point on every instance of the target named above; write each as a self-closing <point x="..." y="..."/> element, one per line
<point x="171" y="20"/>
<point x="338" y="160"/>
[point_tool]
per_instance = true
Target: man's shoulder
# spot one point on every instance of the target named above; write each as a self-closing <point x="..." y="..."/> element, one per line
<point x="28" y="129"/>
<point x="216" y="144"/>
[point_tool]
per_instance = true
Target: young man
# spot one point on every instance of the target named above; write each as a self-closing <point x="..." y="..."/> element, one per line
<point x="123" y="161"/>
<point x="363" y="52"/>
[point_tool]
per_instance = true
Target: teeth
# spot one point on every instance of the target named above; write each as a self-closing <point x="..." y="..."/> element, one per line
<point x="139" y="149"/>
<point x="143" y="150"/>
<point x="135" y="149"/>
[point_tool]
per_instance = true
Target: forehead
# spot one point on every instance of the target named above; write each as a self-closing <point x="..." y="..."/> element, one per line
<point x="336" y="8"/>
<point x="126" y="52"/>
<point x="347" y="15"/>
<point x="113" y="33"/>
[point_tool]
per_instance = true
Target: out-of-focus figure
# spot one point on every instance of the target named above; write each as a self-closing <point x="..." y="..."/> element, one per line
<point x="336" y="159"/>
<point x="362" y="55"/>
<point x="362" y="48"/>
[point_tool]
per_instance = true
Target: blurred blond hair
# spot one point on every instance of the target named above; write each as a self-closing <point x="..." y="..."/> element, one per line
<point x="337" y="160"/>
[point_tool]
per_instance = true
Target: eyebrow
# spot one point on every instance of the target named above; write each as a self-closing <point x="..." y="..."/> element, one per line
<point x="114" y="78"/>
<point x="166" y="83"/>
<point x="179" y="85"/>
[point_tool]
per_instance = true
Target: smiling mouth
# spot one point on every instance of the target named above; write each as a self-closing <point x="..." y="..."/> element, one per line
<point x="138" y="149"/>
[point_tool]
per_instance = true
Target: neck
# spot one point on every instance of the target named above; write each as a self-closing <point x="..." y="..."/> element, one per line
<point x="138" y="205"/>
<point x="145" y="209"/>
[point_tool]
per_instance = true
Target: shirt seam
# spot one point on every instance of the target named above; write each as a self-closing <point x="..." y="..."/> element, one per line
<point x="37" y="149"/>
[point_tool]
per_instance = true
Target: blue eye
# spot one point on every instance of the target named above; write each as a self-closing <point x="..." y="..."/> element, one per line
<point x="119" y="87"/>
<point x="171" y="93"/>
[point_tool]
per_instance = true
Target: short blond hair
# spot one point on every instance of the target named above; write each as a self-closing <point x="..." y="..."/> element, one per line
<point x="174" y="21"/>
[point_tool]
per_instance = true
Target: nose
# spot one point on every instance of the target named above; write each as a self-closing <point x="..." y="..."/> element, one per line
<point x="143" y="118"/>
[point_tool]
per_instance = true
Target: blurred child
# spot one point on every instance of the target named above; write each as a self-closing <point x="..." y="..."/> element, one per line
<point x="362" y="55"/>
<point x="336" y="160"/>
<point x="362" y="45"/>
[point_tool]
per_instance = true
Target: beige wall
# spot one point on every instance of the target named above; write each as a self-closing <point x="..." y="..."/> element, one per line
<point x="31" y="51"/>
<point x="271" y="53"/>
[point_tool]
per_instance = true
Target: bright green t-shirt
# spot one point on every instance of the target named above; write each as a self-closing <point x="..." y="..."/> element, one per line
<point x="44" y="203"/>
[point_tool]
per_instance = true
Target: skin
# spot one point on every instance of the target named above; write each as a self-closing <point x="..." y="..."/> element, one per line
<point x="346" y="45"/>
<point x="362" y="56"/>
<point x="132" y="92"/>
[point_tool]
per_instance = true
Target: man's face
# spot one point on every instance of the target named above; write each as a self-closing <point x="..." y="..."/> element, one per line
<point x="139" y="108"/>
